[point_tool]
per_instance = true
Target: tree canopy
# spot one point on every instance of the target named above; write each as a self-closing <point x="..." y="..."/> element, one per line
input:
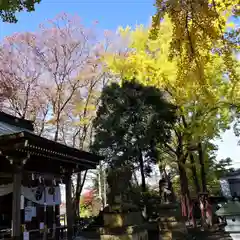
<point x="177" y="82"/>
<point x="131" y="121"/>
<point x="8" y="9"/>
<point x="202" y="115"/>
<point x="203" y="106"/>
<point x="201" y="29"/>
<point x="53" y="77"/>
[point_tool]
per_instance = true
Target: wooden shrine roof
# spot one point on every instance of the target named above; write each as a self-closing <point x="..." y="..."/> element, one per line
<point x="231" y="174"/>
<point x="18" y="139"/>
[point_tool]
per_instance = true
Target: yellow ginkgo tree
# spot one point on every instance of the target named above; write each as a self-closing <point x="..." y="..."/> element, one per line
<point x="202" y="111"/>
<point x="198" y="28"/>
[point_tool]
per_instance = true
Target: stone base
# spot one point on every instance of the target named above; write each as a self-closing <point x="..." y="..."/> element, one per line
<point x="165" y="235"/>
<point x="141" y="235"/>
<point x="170" y="223"/>
<point x="118" y="220"/>
<point x="125" y="233"/>
<point x="170" y="229"/>
<point x="169" y="210"/>
<point x="171" y="235"/>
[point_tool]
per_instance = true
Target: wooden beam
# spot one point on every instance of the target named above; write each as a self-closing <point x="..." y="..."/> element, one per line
<point x="16" y="201"/>
<point x="5" y="175"/>
<point x="69" y="205"/>
<point x="9" y="146"/>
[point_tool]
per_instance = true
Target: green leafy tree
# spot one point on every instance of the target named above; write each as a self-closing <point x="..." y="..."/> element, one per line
<point x="131" y="121"/>
<point x="8" y="9"/>
<point x="214" y="169"/>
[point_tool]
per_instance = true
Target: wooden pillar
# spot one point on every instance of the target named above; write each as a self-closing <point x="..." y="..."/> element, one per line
<point x="69" y="205"/>
<point x="16" y="201"/>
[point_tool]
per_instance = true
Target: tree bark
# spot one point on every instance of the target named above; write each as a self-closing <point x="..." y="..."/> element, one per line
<point x="142" y="171"/>
<point x="194" y="174"/>
<point x="184" y="187"/>
<point x="79" y="187"/>
<point x="135" y="178"/>
<point x="202" y="167"/>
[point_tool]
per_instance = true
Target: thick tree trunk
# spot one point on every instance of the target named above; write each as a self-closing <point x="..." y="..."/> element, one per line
<point x="141" y="163"/>
<point x="194" y="174"/>
<point x="79" y="187"/>
<point x="186" y="201"/>
<point x="185" y="195"/>
<point x="202" y="167"/>
<point x="57" y="130"/>
<point x="135" y="178"/>
<point x="203" y="178"/>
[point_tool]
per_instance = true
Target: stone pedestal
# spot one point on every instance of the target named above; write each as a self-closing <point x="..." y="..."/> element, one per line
<point x="124" y="233"/>
<point x="233" y="226"/>
<point x="123" y="226"/>
<point x="170" y="223"/>
<point x="116" y="220"/>
<point x="231" y="211"/>
<point x="171" y="229"/>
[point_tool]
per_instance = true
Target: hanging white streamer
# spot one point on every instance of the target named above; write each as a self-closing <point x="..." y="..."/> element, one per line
<point x="6" y="189"/>
<point x="30" y="194"/>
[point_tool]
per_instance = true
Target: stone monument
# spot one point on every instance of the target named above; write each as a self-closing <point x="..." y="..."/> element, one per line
<point x="170" y="222"/>
<point x="171" y="225"/>
<point x="122" y="220"/>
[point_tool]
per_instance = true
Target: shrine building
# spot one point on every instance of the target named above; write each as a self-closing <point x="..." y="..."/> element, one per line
<point x="31" y="169"/>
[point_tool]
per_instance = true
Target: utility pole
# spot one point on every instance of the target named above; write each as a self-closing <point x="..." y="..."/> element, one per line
<point x="99" y="181"/>
<point x="100" y="185"/>
<point x="104" y="189"/>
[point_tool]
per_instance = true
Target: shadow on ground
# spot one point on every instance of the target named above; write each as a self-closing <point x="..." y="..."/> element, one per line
<point x="197" y="234"/>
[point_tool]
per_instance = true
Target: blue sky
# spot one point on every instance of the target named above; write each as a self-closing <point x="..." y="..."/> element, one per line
<point x="110" y="14"/>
